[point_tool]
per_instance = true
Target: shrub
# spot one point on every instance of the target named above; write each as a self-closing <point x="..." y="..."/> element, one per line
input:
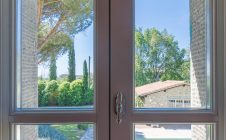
<point x="51" y="93"/>
<point x="41" y="92"/>
<point x="77" y="92"/>
<point x="83" y="126"/>
<point x="65" y="97"/>
<point x="88" y="99"/>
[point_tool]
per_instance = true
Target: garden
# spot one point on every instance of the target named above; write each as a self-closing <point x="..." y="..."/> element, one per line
<point x="157" y="57"/>
<point x="64" y="93"/>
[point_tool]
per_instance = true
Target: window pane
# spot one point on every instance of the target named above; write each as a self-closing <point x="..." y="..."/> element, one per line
<point x="81" y="131"/>
<point x="155" y="131"/>
<point x="55" y="54"/>
<point x="172" y="54"/>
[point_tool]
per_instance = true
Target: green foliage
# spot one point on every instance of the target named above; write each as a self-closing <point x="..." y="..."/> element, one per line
<point x="83" y="126"/>
<point x="41" y="92"/>
<point x="69" y="131"/>
<point x="53" y="68"/>
<point x="85" y="76"/>
<point x="71" y="64"/>
<point x="139" y="102"/>
<point x="54" y="93"/>
<point x="77" y="92"/>
<point x="73" y="18"/>
<point x="58" y="22"/>
<point x="185" y="70"/>
<point x="51" y="93"/>
<point x="64" y="98"/>
<point x="158" y="57"/>
<point x="57" y="45"/>
<point x="87" y="97"/>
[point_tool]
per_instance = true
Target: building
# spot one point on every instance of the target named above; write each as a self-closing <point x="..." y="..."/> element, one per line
<point x="165" y="94"/>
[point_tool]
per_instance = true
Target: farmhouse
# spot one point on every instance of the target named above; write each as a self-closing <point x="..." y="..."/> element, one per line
<point x="165" y="94"/>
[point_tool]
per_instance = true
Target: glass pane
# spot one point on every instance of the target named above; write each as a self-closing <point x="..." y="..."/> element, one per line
<point x="81" y="131"/>
<point x="55" y="54"/>
<point x="172" y="54"/>
<point x="155" y="131"/>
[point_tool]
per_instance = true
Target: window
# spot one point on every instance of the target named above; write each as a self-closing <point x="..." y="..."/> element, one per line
<point x="56" y="50"/>
<point x="112" y="70"/>
<point x="163" y="61"/>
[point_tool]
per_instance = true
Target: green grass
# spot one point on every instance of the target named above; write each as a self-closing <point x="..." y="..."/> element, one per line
<point x="70" y="131"/>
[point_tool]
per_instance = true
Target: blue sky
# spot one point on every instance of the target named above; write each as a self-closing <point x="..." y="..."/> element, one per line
<point x="172" y="15"/>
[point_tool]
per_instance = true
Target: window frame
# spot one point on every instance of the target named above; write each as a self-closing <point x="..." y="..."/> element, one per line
<point x="219" y="115"/>
<point x="8" y="113"/>
<point x="122" y="20"/>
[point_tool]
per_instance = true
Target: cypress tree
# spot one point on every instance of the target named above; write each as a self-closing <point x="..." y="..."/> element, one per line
<point x="85" y="76"/>
<point x="53" y="68"/>
<point x="71" y="64"/>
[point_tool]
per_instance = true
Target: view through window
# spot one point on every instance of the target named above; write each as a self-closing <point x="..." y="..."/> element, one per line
<point x="78" y="131"/>
<point x="56" y="62"/>
<point x="55" y="57"/>
<point x="172" y="54"/>
<point x="172" y="64"/>
<point x="155" y="131"/>
<point x="55" y="65"/>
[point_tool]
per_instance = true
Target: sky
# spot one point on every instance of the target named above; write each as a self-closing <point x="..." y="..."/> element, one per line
<point x="172" y="15"/>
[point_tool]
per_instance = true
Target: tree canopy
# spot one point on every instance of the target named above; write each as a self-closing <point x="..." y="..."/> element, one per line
<point x="158" y="57"/>
<point x="58" y="21"/>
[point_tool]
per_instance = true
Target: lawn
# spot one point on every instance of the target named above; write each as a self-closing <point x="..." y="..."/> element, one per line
<point x="70" y="131"/>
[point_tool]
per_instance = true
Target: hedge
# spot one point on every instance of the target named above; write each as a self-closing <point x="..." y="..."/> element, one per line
<point x="53" y="93"/>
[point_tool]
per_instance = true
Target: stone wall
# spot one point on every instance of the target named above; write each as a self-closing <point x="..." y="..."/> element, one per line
<point x="198" y="54"/>
<point x="161" y="99"/>
<point x="198" y="63"/>
<point x="29" y="67"/>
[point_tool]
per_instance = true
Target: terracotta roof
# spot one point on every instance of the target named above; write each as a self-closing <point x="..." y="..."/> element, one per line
<point x="158" y="86"/>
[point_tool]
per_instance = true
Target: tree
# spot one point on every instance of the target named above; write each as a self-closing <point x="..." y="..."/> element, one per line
<point x="59" y="18"/>
<point x="65" y="96"/>
<point x="157" y="57"/>
<point x="51" y="93"/>
<point x="71" y="64"/>
<point x="77" y="92"/>
<point x="53" y="68"/>
<point x="41" y="92"/>
<point x="85" y="76"/>
<point x="58" y="45"/>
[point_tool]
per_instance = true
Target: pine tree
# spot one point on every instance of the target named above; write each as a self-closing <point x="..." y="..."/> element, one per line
<point x="71" y="64"/>
<point x="53" y="68"/>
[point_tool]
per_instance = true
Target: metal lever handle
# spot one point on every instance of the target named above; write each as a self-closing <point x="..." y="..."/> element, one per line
<point x="119" y="107"/>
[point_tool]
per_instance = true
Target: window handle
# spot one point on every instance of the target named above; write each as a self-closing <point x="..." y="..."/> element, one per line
<point x="119" y="107"/>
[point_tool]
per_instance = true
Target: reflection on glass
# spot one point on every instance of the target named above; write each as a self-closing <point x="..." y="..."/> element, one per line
<point x="172" y="64"/>
<point x="155" y="131"/>
<point x="81" y="131"/>
<point x="55" y="54"/>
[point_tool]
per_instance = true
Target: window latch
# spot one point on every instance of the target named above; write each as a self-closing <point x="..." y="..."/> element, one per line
<point x="119" y="107"/>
